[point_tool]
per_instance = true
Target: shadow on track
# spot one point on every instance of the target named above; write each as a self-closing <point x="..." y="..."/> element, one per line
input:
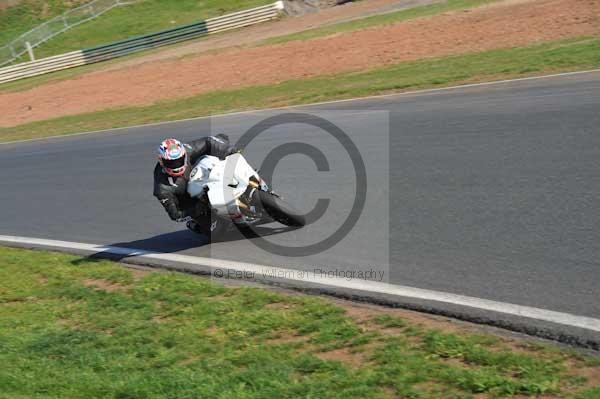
<point x="177" y="241"/>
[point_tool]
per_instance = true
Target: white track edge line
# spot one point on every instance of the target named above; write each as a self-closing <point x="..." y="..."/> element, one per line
<point x="568" y="319"/>
<point x="402" y="94"/>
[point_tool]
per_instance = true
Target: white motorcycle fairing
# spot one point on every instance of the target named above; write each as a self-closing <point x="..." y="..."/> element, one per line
<point x="226" y="180"/>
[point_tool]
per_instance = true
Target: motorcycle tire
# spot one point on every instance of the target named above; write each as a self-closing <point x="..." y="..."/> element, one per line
<point x="281" y="211"/>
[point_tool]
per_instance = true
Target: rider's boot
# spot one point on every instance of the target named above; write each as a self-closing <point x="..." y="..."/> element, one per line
<point x="194" y="226"/>
<point x="210" y="227"/>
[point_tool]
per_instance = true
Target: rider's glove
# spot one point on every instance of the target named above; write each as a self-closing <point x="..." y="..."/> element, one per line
<point x="234" y="149"/>
<point x="228" y="151"/>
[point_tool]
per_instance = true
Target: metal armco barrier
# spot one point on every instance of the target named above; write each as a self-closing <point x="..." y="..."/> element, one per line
<point x="135" y="44"/>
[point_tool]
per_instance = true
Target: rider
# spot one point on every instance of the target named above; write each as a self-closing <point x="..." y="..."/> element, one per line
<point x="172" y="173"/>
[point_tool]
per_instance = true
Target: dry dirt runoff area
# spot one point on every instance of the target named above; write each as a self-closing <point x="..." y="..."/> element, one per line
<point x="257" y="33"/>
<point x="499" y="25"/>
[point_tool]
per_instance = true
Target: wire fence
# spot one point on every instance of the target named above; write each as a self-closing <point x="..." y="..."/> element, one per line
<point x="55" y="26"/>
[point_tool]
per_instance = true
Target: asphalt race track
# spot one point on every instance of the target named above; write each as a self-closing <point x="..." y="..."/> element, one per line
<point x="488" y="191"/>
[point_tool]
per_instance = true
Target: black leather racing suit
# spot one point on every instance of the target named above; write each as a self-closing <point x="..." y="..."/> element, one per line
<point x="172" y="191"/>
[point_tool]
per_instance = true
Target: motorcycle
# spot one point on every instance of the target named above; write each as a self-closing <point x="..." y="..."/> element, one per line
<point x="237" y="195"/>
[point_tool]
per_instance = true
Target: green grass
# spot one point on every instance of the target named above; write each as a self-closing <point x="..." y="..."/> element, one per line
<point x="27" y="14"/>
<point x="387" y="321"/>
<point x="117" y="24"/>
<point x="378" y="20"/>
<point x="592" y="393"/>
<point x="550" y="57"/>
<point x="72" y="327"/>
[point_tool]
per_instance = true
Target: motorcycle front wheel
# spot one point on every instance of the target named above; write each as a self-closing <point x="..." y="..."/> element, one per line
<point x="280" y="210"/>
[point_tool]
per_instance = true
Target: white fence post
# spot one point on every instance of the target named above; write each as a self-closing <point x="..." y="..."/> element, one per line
<point x="30" y="51"/>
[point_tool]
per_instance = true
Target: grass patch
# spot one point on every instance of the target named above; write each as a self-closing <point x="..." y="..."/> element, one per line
<point x="498" y="64"/>
<point x="388" y="321"/>
<point x="117" y="24"/>
<point x="378" y="20"/>
<point x="593" y="393"/>
<point x="74" y="327"/>
<point x="27" y="14"/>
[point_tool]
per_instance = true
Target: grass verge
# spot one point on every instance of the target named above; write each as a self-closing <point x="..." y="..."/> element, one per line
<point x="378" y="20"/>
<point x="491" y="65"/>
<point x="24" y="15"/>
<point x="117" y="24"/>
<point x="71" y="327"/>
